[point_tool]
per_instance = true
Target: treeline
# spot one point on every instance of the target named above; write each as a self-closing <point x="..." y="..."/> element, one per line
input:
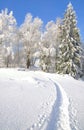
<point x="57" y="48"/>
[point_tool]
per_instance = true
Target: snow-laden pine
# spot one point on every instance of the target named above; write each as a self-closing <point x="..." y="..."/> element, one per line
<point x="70" y="47"/>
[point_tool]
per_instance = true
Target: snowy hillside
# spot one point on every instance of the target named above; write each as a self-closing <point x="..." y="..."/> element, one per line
<point x="34" y="100"/>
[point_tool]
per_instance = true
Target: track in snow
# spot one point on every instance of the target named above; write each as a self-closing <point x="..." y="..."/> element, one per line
<point x="53" y="111"/>
<point x="58" y="119"/>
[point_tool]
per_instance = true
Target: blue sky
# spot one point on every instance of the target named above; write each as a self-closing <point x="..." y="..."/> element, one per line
<point x="45" y="9"/>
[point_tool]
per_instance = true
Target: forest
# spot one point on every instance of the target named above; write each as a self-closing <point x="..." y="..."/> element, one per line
<point x="55" y="47"/>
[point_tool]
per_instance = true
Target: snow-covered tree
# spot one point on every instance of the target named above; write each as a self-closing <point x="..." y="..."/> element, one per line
<point x="83" y="58"/>
<point x="7" y="31"/>
<point x="31" y="34"/>
<point x="70" y="47"/>
<point x="50" y="42"/>
<point x="18" y="49"/>
<point x="1" y="57"/>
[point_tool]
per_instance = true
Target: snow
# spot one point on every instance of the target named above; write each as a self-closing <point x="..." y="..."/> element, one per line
<point x="35" y="100"/>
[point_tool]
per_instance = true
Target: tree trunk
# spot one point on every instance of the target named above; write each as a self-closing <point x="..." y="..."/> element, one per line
<point x="28" y="59"/>
<point x="28" y="62"/>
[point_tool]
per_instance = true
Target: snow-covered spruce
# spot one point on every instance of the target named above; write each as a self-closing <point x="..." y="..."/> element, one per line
<point x="70" y="47"/>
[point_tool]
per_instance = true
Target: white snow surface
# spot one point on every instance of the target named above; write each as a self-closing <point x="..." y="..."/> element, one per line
<point x="35" y="100"/>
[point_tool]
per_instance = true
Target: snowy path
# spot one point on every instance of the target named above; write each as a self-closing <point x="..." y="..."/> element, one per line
<point x="59" y="119"/>
<point x="31" y="100"/>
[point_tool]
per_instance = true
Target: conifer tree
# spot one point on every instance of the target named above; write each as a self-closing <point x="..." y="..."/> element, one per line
<point x="70" y="47"/>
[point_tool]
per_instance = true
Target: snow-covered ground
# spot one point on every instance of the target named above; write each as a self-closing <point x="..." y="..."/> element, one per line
<point x="34" y="100"/>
